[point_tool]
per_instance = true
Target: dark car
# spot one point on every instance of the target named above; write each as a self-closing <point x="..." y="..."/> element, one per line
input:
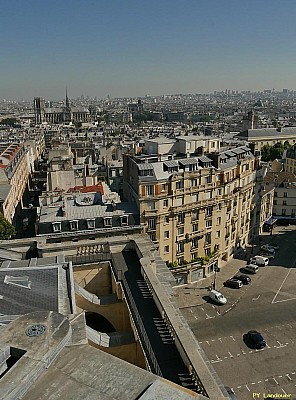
<point x="257" y="339"/>
<point x="233" y="283"/>
<point x="243" y="278"/>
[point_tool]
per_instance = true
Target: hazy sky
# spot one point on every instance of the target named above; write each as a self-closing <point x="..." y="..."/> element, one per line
<point x="132" y="48"/>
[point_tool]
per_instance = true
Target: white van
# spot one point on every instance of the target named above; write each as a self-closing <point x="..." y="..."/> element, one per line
<point x="250" y="268"/>
<point x="217" y="297"/>
<point x="259" y="260"/>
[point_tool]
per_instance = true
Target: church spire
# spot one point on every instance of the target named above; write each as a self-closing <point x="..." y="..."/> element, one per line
<point x="67" y="100"/>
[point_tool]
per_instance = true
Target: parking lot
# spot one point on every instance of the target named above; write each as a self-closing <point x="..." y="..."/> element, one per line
<point x="267" y="305"/>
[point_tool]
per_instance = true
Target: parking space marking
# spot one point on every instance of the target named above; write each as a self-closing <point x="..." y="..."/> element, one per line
<point x="283" y="391"/>
<point x="279" y="289"/>
<point x="247" y="388"/>
<point x="275" y="381"/>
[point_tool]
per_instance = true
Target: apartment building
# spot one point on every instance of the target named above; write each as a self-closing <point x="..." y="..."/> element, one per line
<point x="290" y="161"/>
<point x="284" y="202"/>
<point x="195" y="205"/>
<point x="14" y="174"/>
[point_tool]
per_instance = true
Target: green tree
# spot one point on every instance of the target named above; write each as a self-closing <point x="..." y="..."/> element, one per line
<point x="7" y="230"/>
<point x="9" y="121"/>
<point x="270" y="153"/>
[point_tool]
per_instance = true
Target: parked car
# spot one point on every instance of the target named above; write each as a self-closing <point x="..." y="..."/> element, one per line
<point x="217" y="297"/>
<point x="268" y="249"/>
<point x="275" y="246"/>
<point x="250" y="269"/>
<point x="243" y="278"/>
<point x="233" y="283"/>
<point x="266" y="254"/>
<point x="257" y="339"/>
<point x="259" y="260"/>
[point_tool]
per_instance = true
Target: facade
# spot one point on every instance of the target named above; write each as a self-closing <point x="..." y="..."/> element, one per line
<point x="284" y="202"/>
<point x="59" y="115"/>
<point x="193" y="206"/>
<point x="290" y="161"/>
<point x="14" y="175"/>
<point x="271" y="136"/>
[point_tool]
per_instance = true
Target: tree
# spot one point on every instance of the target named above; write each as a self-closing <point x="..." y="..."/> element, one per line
<point x="7" y="230"/>
<point x="9" y="121"/>
<point x="270" y="153"/>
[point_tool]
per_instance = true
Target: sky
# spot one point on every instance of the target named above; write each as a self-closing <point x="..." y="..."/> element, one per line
<point x="130" y="48"/>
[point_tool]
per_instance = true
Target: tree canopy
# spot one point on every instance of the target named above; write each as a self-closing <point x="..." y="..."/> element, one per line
<point x="270" y="153"/>
<point x="7" y="230"/>
<point x="9" y="121"/>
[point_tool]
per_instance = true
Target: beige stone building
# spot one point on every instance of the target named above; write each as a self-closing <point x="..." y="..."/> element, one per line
<point x="263" y="136"/>
<point x="290" y="161"/>
<point x="196" y="205"/>
<point x="14" y="174"/>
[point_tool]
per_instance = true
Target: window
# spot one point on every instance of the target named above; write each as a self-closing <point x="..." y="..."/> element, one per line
<point x="217" y="234"/>
<point x="107" y="222"/>
<point x="150" y="190"/>
<point x="180" y="260"/>
<point x="194" y="256"/>
<point x="275" y="194"/>
<point x="166" y="234"/>
<point x="208" y="223"/>
<point x="181" y="231"/>
<point x="209" y="179"/>
<point x="166" y="249"/>
<point x="57" y="226"/>
<point x="166" y="219"/>
<point x="284" y="202"/>
<point x="219" y="191"/>
<point x="163" y="187"/>
<point x="293" y="212"/>
<point x="124" y="220"/>
<point x="180" y="247"/>
<point x="283" y="211"/>
<point x="152" y="236"/>
<point x="275" y="202"/>
<point x="194" y="215"/>
<point x="209" y="211"/>
<point x="151" y="223"/>
<point x="194" y="227"/>
<point x="179" y="185"/>
<point x="150" y="205"/>
<point x="90" y="223"/>
<point x="165" y="203"/>
<point x="208" y="238"/>
<point x="194" y="198"/>
<point x="218" y="220"/>
<point x="74" y="225"/>
<point x="194" y="243"/>
<point x="285" y="194"/>
<point x="181" y="218"/>
<point x="194" y="182"/>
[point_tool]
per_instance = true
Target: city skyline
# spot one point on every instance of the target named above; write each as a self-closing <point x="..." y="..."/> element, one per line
<point x="153" y="48"/>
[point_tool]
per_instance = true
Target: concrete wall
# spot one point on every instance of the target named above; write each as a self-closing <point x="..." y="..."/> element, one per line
<point x="131" y="353"/>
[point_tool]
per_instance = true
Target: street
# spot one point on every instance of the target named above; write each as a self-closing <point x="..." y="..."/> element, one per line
<point x="267" y="305"/>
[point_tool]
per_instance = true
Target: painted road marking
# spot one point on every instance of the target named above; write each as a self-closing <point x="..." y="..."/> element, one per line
<point x="232" y="338"/>
<point x="288" y="376"/>
<point x="231" y="356"/>
<point x="247" y="388"/>
<point x="273" y="301"/>
<point x="284" y="391"/>
<point x="275" y="381"/>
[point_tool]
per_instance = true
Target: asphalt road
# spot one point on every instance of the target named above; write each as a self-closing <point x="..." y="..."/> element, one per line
<point x="268" y="305"/>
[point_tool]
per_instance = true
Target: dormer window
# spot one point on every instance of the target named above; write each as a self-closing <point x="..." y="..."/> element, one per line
<point x="108" y="222"/>
<point x="74" y="225"/>
<point x="124" y="220"/>
<point x="90" y="223"/>
<point x="57" y="226"/>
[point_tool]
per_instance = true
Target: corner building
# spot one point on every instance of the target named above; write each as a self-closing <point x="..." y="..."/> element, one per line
<point x="195" y="205"/>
